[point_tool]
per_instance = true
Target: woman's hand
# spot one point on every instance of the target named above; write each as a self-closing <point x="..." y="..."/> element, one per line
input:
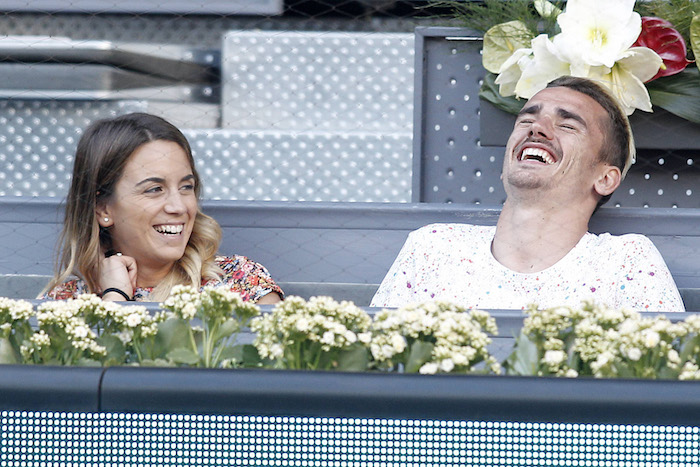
<point x="119" y="272"/>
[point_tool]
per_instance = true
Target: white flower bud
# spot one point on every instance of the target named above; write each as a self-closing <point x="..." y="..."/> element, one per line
<point x="554" y="357"/>
<point x="634" y="354"/>
<point x="428" y="369"/>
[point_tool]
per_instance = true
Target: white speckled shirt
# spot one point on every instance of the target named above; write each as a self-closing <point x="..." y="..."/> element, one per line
<point x="454" y="262"/>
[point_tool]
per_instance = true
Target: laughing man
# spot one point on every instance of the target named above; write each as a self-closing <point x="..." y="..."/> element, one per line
<point x="569" y="150"/>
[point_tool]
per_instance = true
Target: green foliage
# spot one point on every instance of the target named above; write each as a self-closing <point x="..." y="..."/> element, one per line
<point x="200" y="329"/>
<point x="482" y="16"/>
<point x="679" y="94"/>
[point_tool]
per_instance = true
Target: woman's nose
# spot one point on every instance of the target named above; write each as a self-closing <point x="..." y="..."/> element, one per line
<point x="174" y="202"/>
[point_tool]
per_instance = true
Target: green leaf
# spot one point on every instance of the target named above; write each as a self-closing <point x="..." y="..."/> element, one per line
<point x="172" y="333"/>
<point x="226" y="329"/>
<point x="525" y="359"/>
<point x="420" y="353"/>
<point x="695" y="36"/>
<point x="354" y="358"/>
<point x="247" y="355"/>
<point x="679" y="94"/>
<point x="501" y="41"/>
<point x="8" y="356"/>
<point x="489" y="92"/>
<point x="183" y="355"/>
<point x="116" y="353"/>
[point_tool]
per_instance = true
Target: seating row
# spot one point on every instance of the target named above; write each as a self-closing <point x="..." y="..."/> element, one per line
<point x="338" y="249"/>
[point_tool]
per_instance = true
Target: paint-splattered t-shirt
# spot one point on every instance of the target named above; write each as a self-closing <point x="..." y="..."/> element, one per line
<point x="454" y="262"/>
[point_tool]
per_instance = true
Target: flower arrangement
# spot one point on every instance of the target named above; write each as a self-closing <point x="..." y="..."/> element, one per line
<point x="201" y="328"/>
<point x="640" y="55"/>
<point x="436" y="337"/>
<point x="320" y="334"/>
<point x="597" y="341"/>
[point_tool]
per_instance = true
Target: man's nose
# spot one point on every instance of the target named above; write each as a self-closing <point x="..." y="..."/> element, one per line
<point x="542" y="128"/>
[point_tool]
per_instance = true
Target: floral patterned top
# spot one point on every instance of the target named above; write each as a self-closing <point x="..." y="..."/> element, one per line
<point x="248" y="278"/>
<point x="453" y="262"/>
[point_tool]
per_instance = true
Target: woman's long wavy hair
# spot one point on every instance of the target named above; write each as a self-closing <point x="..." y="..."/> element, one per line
<point x="103" y="152"/>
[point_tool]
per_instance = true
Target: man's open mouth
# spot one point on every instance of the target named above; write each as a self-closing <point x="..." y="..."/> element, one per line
<point x="536" y="154"/>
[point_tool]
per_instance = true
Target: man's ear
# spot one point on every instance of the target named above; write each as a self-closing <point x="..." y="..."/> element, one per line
<point x="103" y="216"/>
<point x="608" y="181"/>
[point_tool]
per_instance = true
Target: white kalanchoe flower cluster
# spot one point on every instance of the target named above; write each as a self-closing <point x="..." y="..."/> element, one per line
<point x="65" y="317"/>
<point x="457" y="338"/>
<point x="598" y="341"/>
<point x="294" y="323"/>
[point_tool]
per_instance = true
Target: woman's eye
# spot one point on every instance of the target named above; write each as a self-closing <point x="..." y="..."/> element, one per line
<point x="187" y="187"/>
<point x="154" y="189"/>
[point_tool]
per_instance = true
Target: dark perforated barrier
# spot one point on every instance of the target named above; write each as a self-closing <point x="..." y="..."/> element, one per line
<point x="144" y="416"/>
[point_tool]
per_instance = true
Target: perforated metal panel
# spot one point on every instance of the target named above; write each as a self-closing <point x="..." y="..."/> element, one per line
<point x="58" y="438"/>
<point x="38" y="140"/>
<point x="285" y="166"/>
<point x="325" y="81"/>
<point x="449" y="164"/>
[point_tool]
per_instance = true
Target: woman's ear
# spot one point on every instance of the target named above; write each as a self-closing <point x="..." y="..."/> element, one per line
<point x="608" y="181"/>
<point x="103" y="216"/>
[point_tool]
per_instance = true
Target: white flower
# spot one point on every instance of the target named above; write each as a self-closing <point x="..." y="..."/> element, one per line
<point x="429" y="368"/>
<point x="133" y="320"/>
<point x="545" y="66"/>
<point x="626" y="78"/>
<point x="571" y="373"/>
<point x="328" y="338"/>
<point x="364" y="337"/>
<point x="80" y="331"/>
<point x="447" y="365"/>
<point x="398" y="343"/>
<point x="125" y="336"/>
<point x="302" y="324"/>
<point x="673" y="357"/>
<point x="40" y="338"/>
<point x="554" y="357"/>
<point x="511" y="70"/>
<point x="634" y="354"/>
<point x="651" y="338"/>
<point x="597" y="32"/>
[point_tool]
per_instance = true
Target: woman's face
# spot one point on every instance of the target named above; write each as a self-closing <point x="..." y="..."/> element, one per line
<point x="153" y="208"/>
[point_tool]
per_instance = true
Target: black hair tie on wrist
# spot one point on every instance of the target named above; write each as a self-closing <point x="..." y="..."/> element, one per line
<point x="119" y="291"/>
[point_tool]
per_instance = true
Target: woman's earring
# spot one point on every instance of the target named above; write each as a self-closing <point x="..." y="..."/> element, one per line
<point x="106" y="219"/>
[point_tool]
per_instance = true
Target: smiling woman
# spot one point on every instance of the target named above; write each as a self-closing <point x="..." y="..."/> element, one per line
<point x="133" y="228"/>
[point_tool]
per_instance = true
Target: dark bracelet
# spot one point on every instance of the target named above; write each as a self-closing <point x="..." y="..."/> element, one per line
<point x="119" y="291"/>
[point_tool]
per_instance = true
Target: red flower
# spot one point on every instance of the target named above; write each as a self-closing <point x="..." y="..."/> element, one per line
<point x="659" y="35"/>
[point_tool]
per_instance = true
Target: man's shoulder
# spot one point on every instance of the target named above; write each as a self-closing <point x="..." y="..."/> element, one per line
<point x="607" y="239"/>
<point x="452" y="230"/>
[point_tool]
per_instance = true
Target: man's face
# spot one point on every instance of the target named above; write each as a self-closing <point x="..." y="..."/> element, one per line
<point x="555" y="145"/>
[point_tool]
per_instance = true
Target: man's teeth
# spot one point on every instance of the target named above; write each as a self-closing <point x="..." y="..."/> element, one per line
<point x="537" y="154"/>
<point x="169" y="229"/>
